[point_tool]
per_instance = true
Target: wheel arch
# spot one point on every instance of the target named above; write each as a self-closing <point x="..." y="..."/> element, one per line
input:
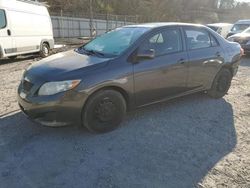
<point x="122" y="91"/>
<point x="44" y="42"/>
<point x="224" y="66"/>
<point x="229" y="67"/>
<point x="1" y="51"/>
<point x="49" y="42"/>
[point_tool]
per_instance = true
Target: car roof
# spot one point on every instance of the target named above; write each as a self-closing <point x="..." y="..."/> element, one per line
<point x="220" y="24"/>
<point x="243" y="22"/>
<point x="164" y="24"/>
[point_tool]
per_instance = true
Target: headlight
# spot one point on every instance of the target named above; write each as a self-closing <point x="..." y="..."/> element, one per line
<point x="52" y="88"/>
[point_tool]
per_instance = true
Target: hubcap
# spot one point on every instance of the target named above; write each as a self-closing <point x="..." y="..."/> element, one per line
<point x="45" y="50"/>
<point x="105" y="110"/>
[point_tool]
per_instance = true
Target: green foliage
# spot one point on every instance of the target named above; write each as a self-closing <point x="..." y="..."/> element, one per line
<point x="152" y="10"/>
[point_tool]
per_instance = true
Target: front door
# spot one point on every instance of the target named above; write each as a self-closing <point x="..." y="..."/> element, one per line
<point x="166" y="74"/>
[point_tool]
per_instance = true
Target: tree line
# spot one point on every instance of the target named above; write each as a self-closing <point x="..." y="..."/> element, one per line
<point x="155" y="10"/>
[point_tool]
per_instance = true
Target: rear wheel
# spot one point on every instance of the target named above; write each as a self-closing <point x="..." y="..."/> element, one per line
<point x="44" y="50"/>
<point x="104" y="111"/>
<point x="221" y="84"/>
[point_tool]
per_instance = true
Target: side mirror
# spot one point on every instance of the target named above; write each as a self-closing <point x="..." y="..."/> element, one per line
<point x="147" y="54"/>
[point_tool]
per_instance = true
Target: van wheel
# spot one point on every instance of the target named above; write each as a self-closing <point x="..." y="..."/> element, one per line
<point x="44" y="50"/>
<point x="104" y="111"/>
<point x="221" y="84"/>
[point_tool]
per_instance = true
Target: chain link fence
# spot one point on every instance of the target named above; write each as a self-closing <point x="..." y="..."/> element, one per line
<point x="80" y="25"/>
<point x="72" y="25"/>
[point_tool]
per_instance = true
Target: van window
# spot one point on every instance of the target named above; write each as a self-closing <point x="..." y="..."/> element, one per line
<point x="2" y="19"/>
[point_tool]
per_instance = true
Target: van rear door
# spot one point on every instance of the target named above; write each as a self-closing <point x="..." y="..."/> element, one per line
<point x="6" y="41"/>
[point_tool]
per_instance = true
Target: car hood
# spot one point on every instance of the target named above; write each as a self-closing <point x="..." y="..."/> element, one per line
<point x="66" y="64"/>
<point x="241" y="35"/>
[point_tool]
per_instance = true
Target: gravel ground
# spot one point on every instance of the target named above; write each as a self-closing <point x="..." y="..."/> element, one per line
<point x="193" y="141"/>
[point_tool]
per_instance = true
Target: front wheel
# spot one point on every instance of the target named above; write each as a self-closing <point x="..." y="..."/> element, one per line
<point x="104" y="111"/>
<point x="44" y="52"/>
<point x="221" y="84"/>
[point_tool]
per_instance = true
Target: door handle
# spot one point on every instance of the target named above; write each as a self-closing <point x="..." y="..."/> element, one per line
<point x="9" y="32"/>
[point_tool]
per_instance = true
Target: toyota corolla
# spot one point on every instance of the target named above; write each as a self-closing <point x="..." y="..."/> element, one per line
<point x="124" y="69"/>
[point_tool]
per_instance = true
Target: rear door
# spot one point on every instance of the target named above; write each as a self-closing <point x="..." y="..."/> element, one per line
<point x="205" y="57"/>
<point x="6" y="41"/>
<point x="166" y="74"/>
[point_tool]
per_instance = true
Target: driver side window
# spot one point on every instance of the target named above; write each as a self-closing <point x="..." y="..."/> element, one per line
<point x="2" y="19"/>
<point x="164" y="42"/>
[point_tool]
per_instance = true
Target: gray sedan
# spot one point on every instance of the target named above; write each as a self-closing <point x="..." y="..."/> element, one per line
<point x="124" y="69"/>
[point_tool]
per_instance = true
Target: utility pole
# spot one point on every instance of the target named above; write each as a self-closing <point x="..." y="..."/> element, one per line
<point x="107" y="16"/>
<point x="91" y="17"/>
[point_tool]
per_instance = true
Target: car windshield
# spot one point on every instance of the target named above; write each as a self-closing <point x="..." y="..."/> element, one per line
<point x="113" y="43"/>
<point x="247" y="30"/>
<point x="240" y="27"/>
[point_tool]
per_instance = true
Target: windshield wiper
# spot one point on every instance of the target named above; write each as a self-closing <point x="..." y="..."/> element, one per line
<point x="95" y="52"/>
<point x="92" y="52"/>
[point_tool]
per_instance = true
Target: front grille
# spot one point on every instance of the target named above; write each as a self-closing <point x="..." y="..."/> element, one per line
<point x="27" y="86"/>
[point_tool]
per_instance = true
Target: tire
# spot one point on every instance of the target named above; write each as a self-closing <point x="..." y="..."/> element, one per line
<point x="44" y="50"/>
<point x="104" y="111"/>
<point x="221" y="84"/>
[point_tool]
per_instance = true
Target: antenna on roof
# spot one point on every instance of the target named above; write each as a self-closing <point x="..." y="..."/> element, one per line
<point x="35" y="2"/>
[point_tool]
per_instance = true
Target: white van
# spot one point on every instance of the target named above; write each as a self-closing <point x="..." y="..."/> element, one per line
<point x="25" y="27"/>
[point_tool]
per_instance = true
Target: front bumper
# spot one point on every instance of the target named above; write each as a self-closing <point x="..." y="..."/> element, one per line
<point x="57" y="110"/>
<point x="246" y="48"/>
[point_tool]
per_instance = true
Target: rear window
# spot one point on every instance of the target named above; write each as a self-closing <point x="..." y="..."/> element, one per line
<point x="199" y="38"/>
<point x="2" y="19"/>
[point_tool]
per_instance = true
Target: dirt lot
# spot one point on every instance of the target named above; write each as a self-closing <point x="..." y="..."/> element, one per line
<point x="194" y="141"/>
